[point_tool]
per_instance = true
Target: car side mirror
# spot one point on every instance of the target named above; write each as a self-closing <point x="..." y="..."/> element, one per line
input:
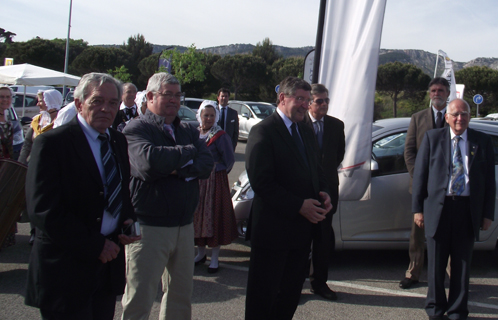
<point x="374" y="168"/>
<point x="245" y="115"/>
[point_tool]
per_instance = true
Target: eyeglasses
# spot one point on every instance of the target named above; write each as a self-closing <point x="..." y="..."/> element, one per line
<point x="320" y="101"/>
<point x="169" y="95"/>
<point x="457" y="114"/>
<point x="301" y="99"/>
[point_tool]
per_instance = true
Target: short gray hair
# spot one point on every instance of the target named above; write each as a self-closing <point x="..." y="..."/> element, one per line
<point x="159" y="79"/>
<point x="317" y="88"/>
<point x="290" y="85"/>
<point x="95" y="80"/>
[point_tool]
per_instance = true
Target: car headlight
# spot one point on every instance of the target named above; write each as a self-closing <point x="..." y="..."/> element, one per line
<point x="246" y="194"/>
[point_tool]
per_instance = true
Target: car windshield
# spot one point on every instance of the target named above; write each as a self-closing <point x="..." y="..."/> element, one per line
<point x="262" y="110"/>
<point x="186" y="114"/>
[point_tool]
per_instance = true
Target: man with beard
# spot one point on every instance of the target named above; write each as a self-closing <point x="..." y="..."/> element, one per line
<point x="421" y="122"/>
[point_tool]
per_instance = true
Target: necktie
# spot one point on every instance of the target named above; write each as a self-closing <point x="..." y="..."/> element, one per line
<point x="112" y="178"/>
<point x="298" y="142"/>
<point x="439" y="120"/>
<point x="319" y="132"/>
<point x="169" y="129"/>
<point x="222" y="120"/>
<point x="457" y="176"/>
<point x="129" y="113"/>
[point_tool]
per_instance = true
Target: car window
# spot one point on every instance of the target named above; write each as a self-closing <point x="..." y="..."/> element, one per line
<point x="244" y="109"/>
<point x="262" y="111"/>
<point x="30" y="101"/>
<point x="388" y="152"/>
<point x="193" y="104"/>
<point x="186" y="114"/>
<point x="236" y="107"/>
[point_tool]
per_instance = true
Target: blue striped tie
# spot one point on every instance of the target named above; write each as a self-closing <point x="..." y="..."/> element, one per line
<point x="457" y="176"/>
<point x="113" y="180"/>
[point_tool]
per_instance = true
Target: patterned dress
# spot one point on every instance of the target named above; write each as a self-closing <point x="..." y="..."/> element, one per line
<point x="214" y="218"/>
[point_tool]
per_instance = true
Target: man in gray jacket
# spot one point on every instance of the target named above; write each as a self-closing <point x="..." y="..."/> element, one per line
<point x="166" y="158"/>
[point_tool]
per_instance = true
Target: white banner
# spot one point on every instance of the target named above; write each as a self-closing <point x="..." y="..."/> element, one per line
<point x="449" y="75"/>
<point x="348" y="68"/>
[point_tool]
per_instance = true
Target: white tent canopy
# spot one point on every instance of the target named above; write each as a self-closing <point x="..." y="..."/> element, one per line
<point x="30" y="75"/>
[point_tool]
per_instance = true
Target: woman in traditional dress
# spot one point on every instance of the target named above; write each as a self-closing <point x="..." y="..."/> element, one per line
<point x="214" y="218"/>
<point x="49" y="102"/>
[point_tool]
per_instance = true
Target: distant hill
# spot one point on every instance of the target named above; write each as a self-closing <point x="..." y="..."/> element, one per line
<point x="422" y="59"/>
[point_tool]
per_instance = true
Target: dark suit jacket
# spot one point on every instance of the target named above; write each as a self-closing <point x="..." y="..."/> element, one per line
<point x="432" y="175"/>
<point x="65" y="201"/>
<point x="331" y="154"/>
<point x="232" y="125"/>
<point x="122" y="117"/>
<point x="281" y="182"/>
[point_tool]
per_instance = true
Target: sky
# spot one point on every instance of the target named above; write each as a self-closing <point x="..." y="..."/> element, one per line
<point x="464" y="29"/>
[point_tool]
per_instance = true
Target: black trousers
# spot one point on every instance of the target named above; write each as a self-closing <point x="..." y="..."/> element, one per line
<point x="320" y="253"/>
<point x="100" y="307"/>
<point x="275" y="281"/>
<point x="455" y="237"/>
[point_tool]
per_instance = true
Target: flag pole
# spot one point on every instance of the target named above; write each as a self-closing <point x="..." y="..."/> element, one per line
<point x="318" y="44"/>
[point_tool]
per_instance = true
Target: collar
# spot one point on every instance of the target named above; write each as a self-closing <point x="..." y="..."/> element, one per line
<point x="88" y="130"/>
<point x="313" y="118"/>
<point x="435" y="111"/>
<point x="122" y="106"/>
<point x="150" y="116"/>
<point x="287" y="121"/>
<point x="463" y="135"/>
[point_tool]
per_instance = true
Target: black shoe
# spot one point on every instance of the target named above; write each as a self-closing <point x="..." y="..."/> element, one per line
<point x="407" y="283"/>
<point x="200" y="261"/>
<point x="213" y="270"/>
<point x="325" y="292"/>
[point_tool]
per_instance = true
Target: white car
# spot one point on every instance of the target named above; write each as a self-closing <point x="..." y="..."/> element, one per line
<point x="384" y="221"/>
<point x="250" y="113"/>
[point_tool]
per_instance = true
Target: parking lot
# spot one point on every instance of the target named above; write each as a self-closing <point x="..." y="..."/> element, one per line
<point x="366" y="282"/>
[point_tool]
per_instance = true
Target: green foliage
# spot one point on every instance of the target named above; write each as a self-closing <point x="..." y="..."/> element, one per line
<point x="266" y="51"/>
<point x="207" y="88"/>
<point x="483" y="81"/>
<point x="138" y="49"/>
<point x="100" y="59"/>
<point x="240" y="73"/>
<point x="6" y="36"/>
<point x="120" y="73"/>
<point x="187" y="66"/>
<point x="394" y="78"/>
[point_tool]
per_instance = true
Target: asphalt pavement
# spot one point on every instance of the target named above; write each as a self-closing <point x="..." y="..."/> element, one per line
<point x="366" y="282"/>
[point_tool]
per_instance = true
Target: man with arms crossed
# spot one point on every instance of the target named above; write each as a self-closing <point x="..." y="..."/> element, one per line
<point x="291" y="197"/>
<point x="431" y="118"/>
<point x="453" y="197"/>
<point x="166" y="158"/>
<point x="78" y="198"/>
<point x="329" y="133"/>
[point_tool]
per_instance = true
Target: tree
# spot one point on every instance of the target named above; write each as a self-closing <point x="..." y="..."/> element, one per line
<point x="241" y="73"/>
<point x="7" y="36"/>
<point x="395" y="78"/>
<point x="187" y="66"/>
<point x="147" y="67"/>
<point x="120" y="73"/>
<point x="483" y="81"/>
<point x="207" y="87"/>
<point x="266" y="51"/>
<point x="100" y="59"/>
<point x="138" y="49"/>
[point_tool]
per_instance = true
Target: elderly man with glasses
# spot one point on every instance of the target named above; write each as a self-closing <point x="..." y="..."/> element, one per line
<point x="166" y="158"/>
<point x="329" y="133"/>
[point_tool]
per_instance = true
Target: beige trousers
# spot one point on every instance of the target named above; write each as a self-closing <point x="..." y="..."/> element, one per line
<point x="166" y="253"/>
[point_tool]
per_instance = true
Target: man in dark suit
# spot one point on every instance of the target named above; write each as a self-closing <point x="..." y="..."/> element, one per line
<point x="78" y="198"/>
<point x="291" y="197"/>
<point x="453" y="197"/>
<point x="229" y="120"/>
<point x="329" y="133"/>
<point x="128" y="109"/>
<point x="421" y="122"/>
